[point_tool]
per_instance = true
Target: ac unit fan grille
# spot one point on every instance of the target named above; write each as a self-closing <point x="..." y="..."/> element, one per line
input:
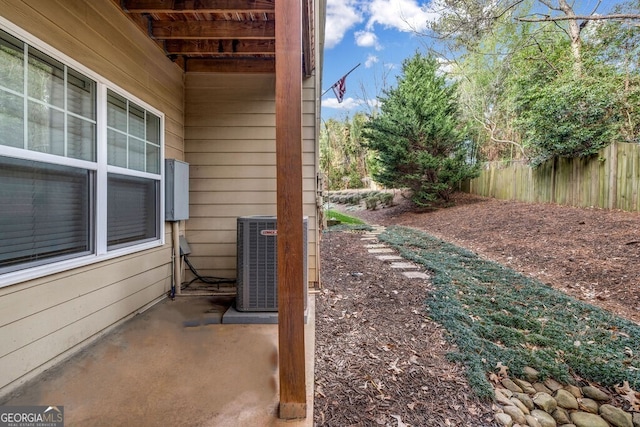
<point x="257" y="267"/>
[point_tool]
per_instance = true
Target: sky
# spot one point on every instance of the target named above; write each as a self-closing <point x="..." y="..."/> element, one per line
<point x="378" y="35"/>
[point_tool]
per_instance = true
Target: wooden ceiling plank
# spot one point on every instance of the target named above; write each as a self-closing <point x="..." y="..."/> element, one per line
<point x="241" y="30"/>
<point x="213" y="47"/>
<point x="235" y="65"/>
<point x="198" y="6"/>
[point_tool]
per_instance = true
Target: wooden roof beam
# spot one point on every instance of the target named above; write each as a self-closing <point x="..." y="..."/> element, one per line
<point x="241" y="30"/>
<point x="198" y="6"/>
<point x="217" y="47"/>
<point x="230" y="65"/>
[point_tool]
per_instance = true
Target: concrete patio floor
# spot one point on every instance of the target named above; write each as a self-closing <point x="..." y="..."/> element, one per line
<point x="174" y="365"/>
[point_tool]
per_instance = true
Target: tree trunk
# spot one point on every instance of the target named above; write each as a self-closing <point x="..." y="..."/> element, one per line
<point x="574" y="34"/>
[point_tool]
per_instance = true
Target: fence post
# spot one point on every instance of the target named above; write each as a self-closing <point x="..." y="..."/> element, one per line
<point x="554" y="172"/>
<point x="613" y="175"/>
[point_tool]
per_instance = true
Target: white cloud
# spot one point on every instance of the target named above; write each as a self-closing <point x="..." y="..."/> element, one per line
<point x="446" y="66"/>
<point x="341" y="16"/>
<point x="371" y="59"/>
<point x="346" y="104"/>
<point x="366" y="39"/>
<point x="402" y="15"/>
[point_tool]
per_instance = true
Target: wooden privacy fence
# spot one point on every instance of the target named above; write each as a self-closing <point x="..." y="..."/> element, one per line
<point x="607" y="180"/>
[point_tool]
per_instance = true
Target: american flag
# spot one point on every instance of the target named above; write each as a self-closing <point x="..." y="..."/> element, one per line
<point x="340" y="87"/>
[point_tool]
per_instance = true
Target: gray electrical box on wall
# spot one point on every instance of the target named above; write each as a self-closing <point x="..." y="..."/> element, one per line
<point x="176" y="194"/>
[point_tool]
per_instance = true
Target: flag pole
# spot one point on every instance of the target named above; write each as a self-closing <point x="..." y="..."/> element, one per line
<point x="323" y="93"/>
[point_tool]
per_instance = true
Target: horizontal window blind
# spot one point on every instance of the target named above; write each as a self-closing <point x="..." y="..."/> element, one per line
<point x="132" y="214"/>
<point x="46" y="213"/>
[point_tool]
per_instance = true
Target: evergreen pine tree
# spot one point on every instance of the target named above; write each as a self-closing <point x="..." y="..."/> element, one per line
<point x="418" y="140"/>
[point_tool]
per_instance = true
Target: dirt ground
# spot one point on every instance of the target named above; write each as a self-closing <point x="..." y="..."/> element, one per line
<point x="591" y="254"/>
<point x="381" y="361"/>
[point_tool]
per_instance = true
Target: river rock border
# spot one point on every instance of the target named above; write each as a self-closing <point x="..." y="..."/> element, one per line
<point x="534" y="403"/>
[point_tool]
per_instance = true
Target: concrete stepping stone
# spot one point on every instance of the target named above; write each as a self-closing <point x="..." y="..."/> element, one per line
<point x="404" y="265"/>
<point x="415" y="275"/>
<point x="380" y="251"/>
<point x="376" y="245"/>
<point x="389" y="257"/>
<point x="376" y="231"/>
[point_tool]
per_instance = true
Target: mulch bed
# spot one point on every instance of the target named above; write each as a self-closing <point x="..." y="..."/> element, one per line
<point x="379" y="358"/>
<point x="591" y="254"/>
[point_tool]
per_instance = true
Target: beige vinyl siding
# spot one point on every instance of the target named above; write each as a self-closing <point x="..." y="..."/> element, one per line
<point x="230" y="146"/>
<point x="44" y="320"/>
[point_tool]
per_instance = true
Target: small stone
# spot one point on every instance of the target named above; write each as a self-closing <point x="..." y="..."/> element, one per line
<point x="544" y="419"/>
<point x="532" y="421"/>
<point x="501" y="397"/>
<point x="575" y="391"/>
<point x="585" y="419"/>
<point x="517" y="402"/>
<point x="588" y="405"/>
<point x="524" y="398"/>
<point x="504" y="419"/>
<point x="636" y="419"/>
<point x="595" y="394"/>
<point x="552" y="384"/>
<point x="616" y="416"/>
<point x="515" y="413"/>
<point x="530" y="374"/>
<point x="506" y="392"/>
<point x="567" y="425"/>
<point x="522" y="383"/>
<point x="541" y="388"/>
<point x="525" y="386"/>
<point x="561" y="416"/>
<point x="565" y="399"/>
<point x="545" y="401"/>
<point x="510" y="385"/>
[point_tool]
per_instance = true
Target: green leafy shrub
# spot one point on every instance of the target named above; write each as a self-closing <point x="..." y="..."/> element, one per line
<point x="371" y="202"/>
<point x="353" y="199"/>
<point x="386" y="199"/>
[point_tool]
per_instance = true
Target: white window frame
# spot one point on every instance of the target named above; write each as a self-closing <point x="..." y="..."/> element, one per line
<point x="100" y="167"/>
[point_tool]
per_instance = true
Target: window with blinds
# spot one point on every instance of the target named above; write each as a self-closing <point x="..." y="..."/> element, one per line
<point x="132" y="210"/>
<point x="60" y="198"/>
<point x="46" y="213"/>
<point x="133" y="144"/>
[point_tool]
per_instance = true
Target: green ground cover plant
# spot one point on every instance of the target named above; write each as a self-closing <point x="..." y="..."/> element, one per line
<point x="496" y="315"/>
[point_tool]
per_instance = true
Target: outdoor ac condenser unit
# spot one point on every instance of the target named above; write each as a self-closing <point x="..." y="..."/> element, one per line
<point x="257" y="268"/>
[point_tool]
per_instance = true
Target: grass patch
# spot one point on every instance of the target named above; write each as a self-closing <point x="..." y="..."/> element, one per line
<point x="494" y="314"/>
<point x="345" y="219"/>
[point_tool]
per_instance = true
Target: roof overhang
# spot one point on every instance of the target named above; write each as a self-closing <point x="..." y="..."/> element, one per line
<point x="219" y="35"/>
